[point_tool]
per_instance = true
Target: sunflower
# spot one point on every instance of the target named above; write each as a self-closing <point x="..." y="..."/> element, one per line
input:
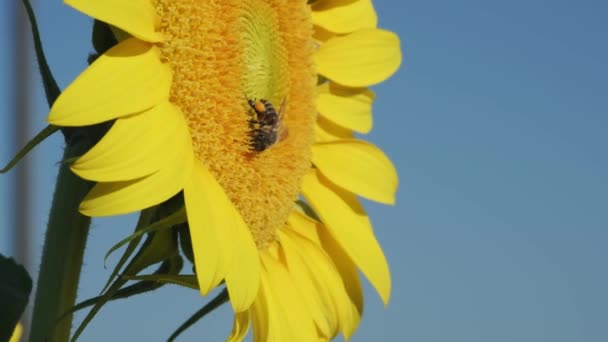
<point x="244" y="106"/>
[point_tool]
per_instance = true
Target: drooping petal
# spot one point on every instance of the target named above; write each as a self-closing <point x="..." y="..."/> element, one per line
<point x="326" y="130"/>
<point x="243" y="276"/>
<point x="135" y="146"/>
<point x="348" y="107"/>
<point x="360" y="59"/>
<point x="341" y="16"/>
<point x="240" y="326"/>
<point x="323" y="315"/>
<point x="341" y="212"/>
<point x="137" y="17"/>
<point x="115" y="198"/>
<point x="358" y="167"/>
<point x="339" y="289"/>
<point x="292" y="320"/>
<point x="350" y="279"/>
<point x="127" y="79"/>
<point x="305" y="226"/>
<point x="212" y="225"/>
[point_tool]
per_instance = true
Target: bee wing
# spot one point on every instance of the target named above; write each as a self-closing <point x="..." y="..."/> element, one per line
<point x="282" y="108"/>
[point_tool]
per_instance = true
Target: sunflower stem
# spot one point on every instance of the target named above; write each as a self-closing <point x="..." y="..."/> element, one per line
<point x="64" y="245"/>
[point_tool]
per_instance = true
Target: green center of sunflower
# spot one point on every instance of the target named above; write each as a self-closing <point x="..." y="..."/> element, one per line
<point x="222" y="53"/>
<point x="265" y="58"/>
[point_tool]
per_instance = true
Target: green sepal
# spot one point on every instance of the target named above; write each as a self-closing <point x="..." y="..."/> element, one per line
<point x="51" y="89"/>
<point x="185" y="280"/>
<point x="167" y="222"/>
<point x="213" y="304"/>
<point x="170" y="266"/>
<point x="102" y="37"/>
<point x="15" y="289"/>
<point x="185" y="242"/>
<point x="306" y="209"/>
<point x="45" y="133"/>
<point x="144" y="220"/>
<point x="160" y="245"/>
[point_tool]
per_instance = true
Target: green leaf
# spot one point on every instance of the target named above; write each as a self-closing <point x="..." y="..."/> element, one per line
<point x="215" y="303"/>
<point x="15" y="289"/>
<point x="45" y="133"/>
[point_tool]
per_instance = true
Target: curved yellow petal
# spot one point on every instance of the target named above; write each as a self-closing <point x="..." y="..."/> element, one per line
<point x="321" y="35"/>
<point x="362" y="58"/>
<point x="222" y="244"/>
<point x="327" y="262"/>
<point x="347" y="107"/>
<point x="240" y="327"/>
<point x="243" y="276"/>
<point x="138" y="17"/>
<point x="290" y="319"/>
<point x="305" y="226"/>
<point x="116" y="198"/>
<point x="211" y="222"/>
<point x="127" y="79"/>
<point x="325" y="130"/>
<point x="344" y="16"/>
<point x="358" y="167"/>
<point x="341" y="212"/>
<point x="135" y="146"/>
<point x="317" y="301"/>
<point x="350" y="278"/>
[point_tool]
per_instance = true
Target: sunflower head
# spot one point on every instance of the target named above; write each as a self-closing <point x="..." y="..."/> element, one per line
<point x="244" y="106"/>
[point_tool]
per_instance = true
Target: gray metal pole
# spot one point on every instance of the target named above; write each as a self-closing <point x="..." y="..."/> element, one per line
<point x="22" y="111"/>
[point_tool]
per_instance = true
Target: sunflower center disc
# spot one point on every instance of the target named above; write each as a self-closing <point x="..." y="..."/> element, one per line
<point x="222" y="53"/>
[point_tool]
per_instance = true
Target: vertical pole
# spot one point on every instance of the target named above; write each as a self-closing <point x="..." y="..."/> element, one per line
<point x="22" y="111"/>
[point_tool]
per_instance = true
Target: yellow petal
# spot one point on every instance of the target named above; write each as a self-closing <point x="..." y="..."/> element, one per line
<point x="116" y="198"/>
<point x="349" y="225"/>
<point x="327" y="279"/>
<point x="129" y="78"/>
<point x="347" y="107"/>
<point x="321" y="35"/>
<point x="359" y="59"/>
<point x="240" y="327"/>
<point x="243" y="276"/>
<point x="358" y="167"/>
<point x="316" y="300"/>
<point x="350" y="279"/>
<point x="326" y="130"/>
<point x="212" y="226"/>
<point x="344" y="16"/>
<point x="304" y="225"/>
<point x="135" y="146"/>
<point x="138" y="17"/>
<point x="290" y="319"/>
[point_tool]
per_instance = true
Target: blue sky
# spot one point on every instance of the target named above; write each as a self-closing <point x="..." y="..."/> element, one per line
<point x="497" y="125"/>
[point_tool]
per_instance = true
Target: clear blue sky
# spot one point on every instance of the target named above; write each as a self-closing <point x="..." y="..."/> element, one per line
<point x="497" y="123"/>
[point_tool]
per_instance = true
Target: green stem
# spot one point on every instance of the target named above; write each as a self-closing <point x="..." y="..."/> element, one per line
<point x="64" y="245"/>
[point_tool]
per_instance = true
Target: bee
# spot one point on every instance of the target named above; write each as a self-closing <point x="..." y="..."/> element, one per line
<point x="266" y="128"/>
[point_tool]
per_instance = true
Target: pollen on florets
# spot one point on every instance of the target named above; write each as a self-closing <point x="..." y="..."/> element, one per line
<point x="223" y="52"/>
